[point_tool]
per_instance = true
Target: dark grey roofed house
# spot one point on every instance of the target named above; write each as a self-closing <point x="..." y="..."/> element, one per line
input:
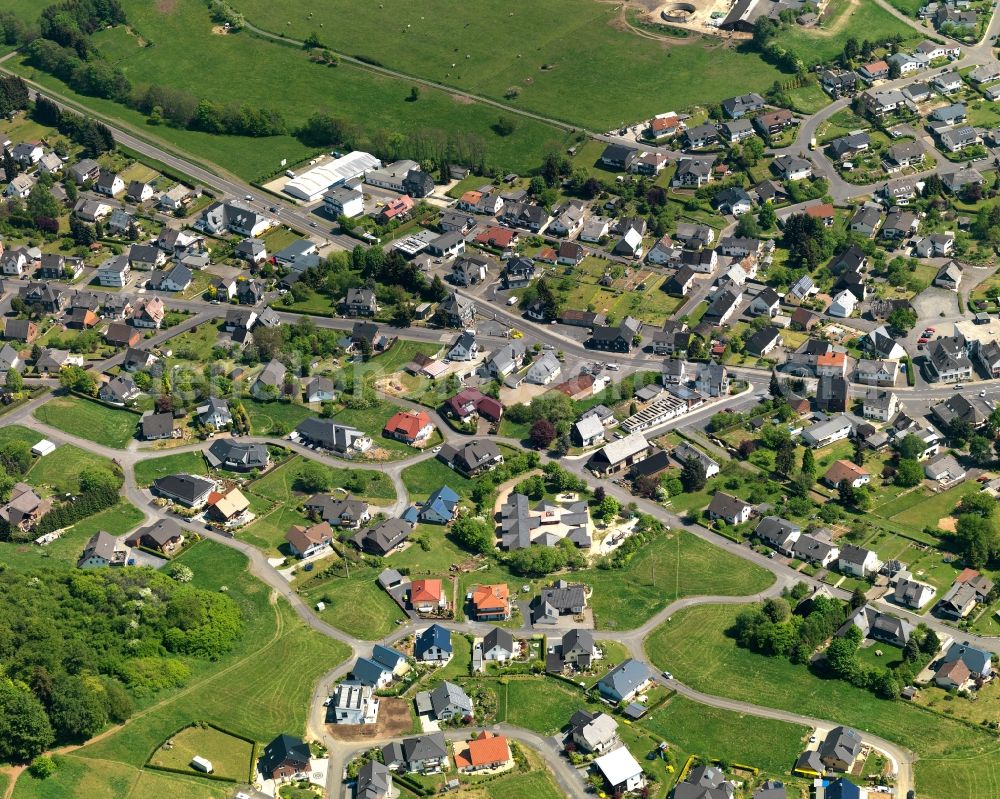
<point x="840" y="748"/>
<point x="415" y="754"/>
<point x="383" y="537"/>
<point x="185" y="489"/>
<point x="237" y="456"/>
<point x="328" y="434"/>
<point x="157" y="425"/>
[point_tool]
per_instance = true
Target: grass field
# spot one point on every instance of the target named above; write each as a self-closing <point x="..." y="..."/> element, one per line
<point x="229" y="755"/>
<point x="543" y="706"/>
<point x="537" y="48"/>
<point x="672" y="566"/>
<point x="356" y="604"/>
<point x="956" y="761"/>
<point x="150" y="469"/>
<point x="91" y="420"/>
<point x="536" y="784"/>
<point x="60" y="470"/>
<point x="260" y="688"/>
<point x="278" y="418"/>
<point x="842" y="20"/>
<point x="77" y="776"/>
<point x="771" y="746"/>
<point x="15" y="432"/>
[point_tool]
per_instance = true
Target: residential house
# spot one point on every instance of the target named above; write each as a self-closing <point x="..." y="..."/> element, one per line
<point x="473" y="458"/>
<point x="878" y="626"/>
<point x="594" y="732"/>
<point x="816" y="548"/>
<point x="424" y="754"/>
<point x="560" y="599"/>
<point x="238" y="456"/>
<point x="619" y="455"/>
<point x="858" y="562"/>
<point x="285" y="758"/>
<point x="845" y="470"/>
<point x="779" y="534"/>
<point x="433" y="645"/>
<point x="880" y="405"/>
<point x="440" y="507"/>
<point x="119" y="390"/>
<point x="949" y="276"/>
<point x="791" y="167"/>
<point x="621" y="771"/>
<point x="730" y="509"/>
<point x="445" y="702"/>
<point x="624" y="681"/>
<point x="157" y="426"/>
<point x="912" y="593"/>
<point x="491" y="602"/>
<point x="763" y="342"/>
<point x="410" y="427"/>
<point x="114" y="272"/>
<point x="826" y="432"/>
<point x="164" y="536"/>
<point x="487" y="751"/>
<point x="948" y="360"/>
<point x="102" y="550"/>
<point x="188" y="490"/>
<point x="712" y="380"/>
<point x="304" y="542"/>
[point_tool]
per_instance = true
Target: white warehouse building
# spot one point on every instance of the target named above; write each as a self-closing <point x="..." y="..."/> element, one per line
<point x="310" y="185"/>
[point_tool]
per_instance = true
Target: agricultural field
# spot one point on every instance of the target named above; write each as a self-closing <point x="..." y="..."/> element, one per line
<point x="230" y="756"/>
<point x="284" y="79"/>
<point x="535" y="50"/>
<point x="88" y="419"/>
<point x="956" y="761"/>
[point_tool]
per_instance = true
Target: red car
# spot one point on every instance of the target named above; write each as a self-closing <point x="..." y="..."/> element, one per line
<point x="921" y="341"/>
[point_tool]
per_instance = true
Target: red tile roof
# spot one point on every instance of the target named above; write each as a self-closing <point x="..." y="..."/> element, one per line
<point x="491" y="597"/>
<point x="407" y="423"/>
<point x="483" y="751"/>
<point x="425" y="591"/>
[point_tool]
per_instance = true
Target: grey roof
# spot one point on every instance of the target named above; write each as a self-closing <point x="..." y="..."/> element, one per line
<point x="449" y="697"/>
<point x="230" y="453"/>
<point x="625" y="678"/>
<point x="157" y="425"/>
<point x="841" y="743"/>
<point x="498" y="638"/>
<point x="414" y="750"/>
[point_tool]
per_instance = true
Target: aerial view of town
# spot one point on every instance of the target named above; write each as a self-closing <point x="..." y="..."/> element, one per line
<point x="563" y="398"/>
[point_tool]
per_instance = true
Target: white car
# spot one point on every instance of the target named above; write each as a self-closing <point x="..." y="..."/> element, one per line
<point x="612" y="366"/>
<point x="667" y="675"/>
<point x="436" y="449"/>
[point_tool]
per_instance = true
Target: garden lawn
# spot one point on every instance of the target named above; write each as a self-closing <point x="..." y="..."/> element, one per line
<point x="536" y="784"/>
<point x="90" y="420"/>
<point x="956" y="762"/>
<point x="261" y="687"/>
<point x="673" y="565"/>
<point x="712" y="733"/>
<point x="372" y="421"/>
<point x="424" y="478"/>
<point x="274" y="418"/>
<point x="64" y="552"/>
<point x="150" y="469"/>
<point x="230" y="756"/>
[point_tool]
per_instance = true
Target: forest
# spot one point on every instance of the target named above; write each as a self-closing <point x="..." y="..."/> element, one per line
<point x="80" y="648"/>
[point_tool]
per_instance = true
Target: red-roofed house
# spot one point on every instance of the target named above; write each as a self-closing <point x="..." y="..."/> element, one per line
<point x="842" y="470"/>
<point x="427" y="596"/>
<point x="491" y="602"/>
<point x="396" y="207"/>
<point x="487" y="751"/>
<point x="500" y="238"/>
<point x="409" y="426"/>
<point x="470" y="401"/>
<point x="823" y="212"/>
<point x="831" y="364"/>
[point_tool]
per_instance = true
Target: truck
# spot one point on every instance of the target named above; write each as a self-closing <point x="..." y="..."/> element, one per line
<point x="198" y="763"/>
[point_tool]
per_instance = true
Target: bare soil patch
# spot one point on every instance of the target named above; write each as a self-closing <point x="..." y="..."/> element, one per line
<point x="947" y="524"/>
<point x="393" y="721"/>
<point x="220" y="30"/>
<point x="166" y="6"/>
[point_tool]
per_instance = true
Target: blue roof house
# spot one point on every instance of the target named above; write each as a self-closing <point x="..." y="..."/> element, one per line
<point x="433" y="645"/>
<point x="440" y="506"/>
<point x="368" y="672"/>
<point x="842" y="788"/>
<point x="623" y="682"/>
<point x="389" y="658"/>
